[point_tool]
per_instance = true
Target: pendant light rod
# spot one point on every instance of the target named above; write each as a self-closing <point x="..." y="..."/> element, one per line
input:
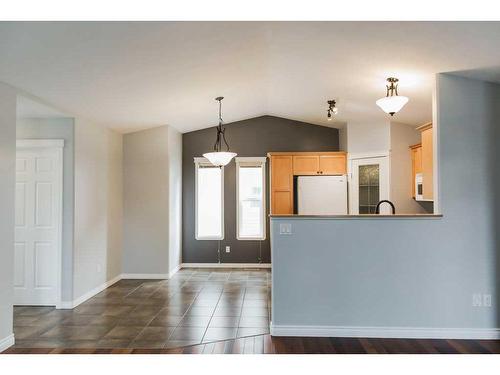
<point x="393" y="87"/>
<point x="221" y="130"/>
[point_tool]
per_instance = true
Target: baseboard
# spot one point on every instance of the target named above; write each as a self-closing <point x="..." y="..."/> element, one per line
<point x="89" y="294"/>
<point x="226" y="265"/>
<point x="145" y="276"/>
<point x="387" y="332"/>
<point x="7" y="342"/>
<point x="174" y="271"/>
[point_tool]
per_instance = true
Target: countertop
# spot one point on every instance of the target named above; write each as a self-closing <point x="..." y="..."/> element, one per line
<point x="360" y="216"/>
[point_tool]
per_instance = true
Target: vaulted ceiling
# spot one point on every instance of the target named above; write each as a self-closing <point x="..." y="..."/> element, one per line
<point x="135" y="75"/>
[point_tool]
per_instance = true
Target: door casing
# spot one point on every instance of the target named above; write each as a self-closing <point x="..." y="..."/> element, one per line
<point x="381" y="158"/>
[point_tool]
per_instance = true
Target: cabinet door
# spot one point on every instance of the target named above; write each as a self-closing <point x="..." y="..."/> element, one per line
<point x="282" y="184"/>
<point x="416" y="166"/>
<point x="332" y="164"/>
<point x="427" y="168"/>
<point x="306" y="165"/>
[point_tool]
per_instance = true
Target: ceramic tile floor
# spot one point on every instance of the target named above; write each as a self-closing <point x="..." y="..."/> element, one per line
<point x="195" y="306"/>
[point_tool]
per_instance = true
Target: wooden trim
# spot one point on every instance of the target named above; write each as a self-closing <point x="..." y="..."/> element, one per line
<point x="416" y="146"/>
<point x="425" y="126"/>
<point x="291" y="153"/>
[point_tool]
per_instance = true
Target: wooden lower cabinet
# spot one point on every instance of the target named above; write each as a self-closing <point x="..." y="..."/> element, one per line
<point x="284" y="166"/>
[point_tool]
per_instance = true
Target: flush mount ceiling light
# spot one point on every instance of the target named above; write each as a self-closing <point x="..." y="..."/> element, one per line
<point x="332" y="110"/>
<point x="392" y="103"/>
<point x="218" y="157"/>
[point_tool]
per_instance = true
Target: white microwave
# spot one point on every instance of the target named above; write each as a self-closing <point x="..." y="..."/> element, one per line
<point x="419" y="188"/>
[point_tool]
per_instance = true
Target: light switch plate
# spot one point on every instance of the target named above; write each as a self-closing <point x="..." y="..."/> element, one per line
<point x="285" y="228"/>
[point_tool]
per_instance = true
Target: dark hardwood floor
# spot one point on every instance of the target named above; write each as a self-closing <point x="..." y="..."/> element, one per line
<point x="265" y="344"/>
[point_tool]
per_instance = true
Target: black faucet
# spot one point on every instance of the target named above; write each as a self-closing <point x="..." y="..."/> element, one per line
<point x="377" y="210"/>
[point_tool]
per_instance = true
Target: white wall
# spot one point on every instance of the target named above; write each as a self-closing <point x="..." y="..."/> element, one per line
<point x="175" y="198"/>
<point x="152" y="201"/>
<point x="146" y="202"/>
<point x="368" y="137"/>
<point x="7" y="198"/>
<point x="59" y="128"/>
<point x="402" y="137"/>
<point x="98" y="197"/>
<point x="406" y="277"/>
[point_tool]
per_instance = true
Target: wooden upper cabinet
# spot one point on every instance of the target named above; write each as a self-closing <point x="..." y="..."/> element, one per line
<point x="416" y="164"/>
<point x="281" y="184"/>
<point x="284" y="165"/>
<point x="427" y="163"/>
<point x="422" y="161"/>
<point x="306" y="165"/>
<point x="333" y="164"/>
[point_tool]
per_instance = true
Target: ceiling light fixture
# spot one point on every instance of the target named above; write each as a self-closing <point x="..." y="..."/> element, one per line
<point x="332" y="110"/>
<point x="217" y="157"/>
<point x="392" y="103"/>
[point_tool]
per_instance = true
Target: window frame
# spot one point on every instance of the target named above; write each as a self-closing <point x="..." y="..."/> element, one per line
<point x="251" y="162"/>
<point x="204" y="162"/>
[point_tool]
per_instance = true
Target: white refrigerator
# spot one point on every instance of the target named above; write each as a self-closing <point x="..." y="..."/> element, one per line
<point x="322" y="195"/>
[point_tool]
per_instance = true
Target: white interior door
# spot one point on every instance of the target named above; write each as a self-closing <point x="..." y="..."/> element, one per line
<point x="369" y="184"/>
<point x="37" y="262"/>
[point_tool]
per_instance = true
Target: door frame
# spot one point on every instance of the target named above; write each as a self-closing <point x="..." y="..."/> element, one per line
<point x="360" y="156"/>
<point x="56" y="145"/>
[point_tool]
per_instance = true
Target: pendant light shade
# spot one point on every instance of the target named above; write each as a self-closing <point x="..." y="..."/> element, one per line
<point x="221" y="158"/>
<point x="392" y="103"/>
<point x="218" y="157"/>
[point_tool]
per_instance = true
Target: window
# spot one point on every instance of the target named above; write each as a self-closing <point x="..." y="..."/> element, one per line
<point x="368" y="188"/>
<point x="209" y="205"/>
<point x="250" y="196"/>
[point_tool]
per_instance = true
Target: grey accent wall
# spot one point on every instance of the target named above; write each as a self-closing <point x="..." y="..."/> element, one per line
<point x="252" y="137"/>
<point x="59" y="128"/>
<point x="413" y="273"/>
<point x="7" y="199"/>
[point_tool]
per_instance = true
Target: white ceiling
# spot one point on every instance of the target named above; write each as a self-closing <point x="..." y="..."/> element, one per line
<point x="130" y="76"/>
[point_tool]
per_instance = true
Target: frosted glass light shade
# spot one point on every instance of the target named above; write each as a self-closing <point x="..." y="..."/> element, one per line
<point x="219" y="159"/>
<point x="392" y="104"/>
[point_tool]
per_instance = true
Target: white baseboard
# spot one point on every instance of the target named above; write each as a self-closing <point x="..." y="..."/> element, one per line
<point x="7" y="342"/>
<point x="174" y="271"/>
<point x="387" y="332"/>
<point x="226" y="265"/>
<point x="145" y="276"/>
<point x="89" y="294"/>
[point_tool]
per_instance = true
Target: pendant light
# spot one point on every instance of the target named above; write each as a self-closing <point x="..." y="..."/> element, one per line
<point x="392" y="103"/>
<point x="218" y="157"/>
<point x="332" y="110"/>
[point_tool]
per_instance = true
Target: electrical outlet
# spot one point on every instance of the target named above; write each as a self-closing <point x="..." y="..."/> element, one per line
<point x="228" y="249"/>
<point x="98" y="268"/>
<point x="477" y="300"/>
<point x="285" y="228"/>
<point x="487" y="300"/>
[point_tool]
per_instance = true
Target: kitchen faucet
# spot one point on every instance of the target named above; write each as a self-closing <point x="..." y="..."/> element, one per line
<point x="377" y="210"/>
